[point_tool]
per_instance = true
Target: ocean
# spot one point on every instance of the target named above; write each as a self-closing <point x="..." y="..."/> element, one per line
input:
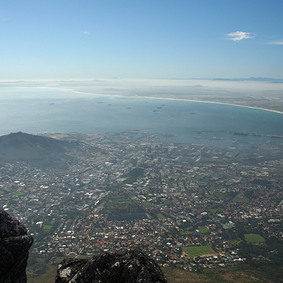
<point x="182" y="121"/>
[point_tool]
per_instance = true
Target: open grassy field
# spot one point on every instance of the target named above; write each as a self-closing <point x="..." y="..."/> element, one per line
<point x="146" y="203"/>
<point x="220" y="195"/>
<point x="47" y="227"/>
<point x="242" y="200"/>
<point x="198" y="251"/>
<point x="119" y="204"/>
<point x="160" y="216"/>
<point x="210" y="196"/>
<point x="203" y="230"/>
<point x="254" y="238"/>
<point x="20" y="194"/>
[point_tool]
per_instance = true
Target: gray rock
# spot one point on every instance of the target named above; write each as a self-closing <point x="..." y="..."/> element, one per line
<point x="123" y="266"/>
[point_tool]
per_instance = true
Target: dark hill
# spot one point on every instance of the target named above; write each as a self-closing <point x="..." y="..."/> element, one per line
<point x="35" y="150"/>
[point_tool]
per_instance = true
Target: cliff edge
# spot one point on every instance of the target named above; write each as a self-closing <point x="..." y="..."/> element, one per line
<point x="14" y="249"/>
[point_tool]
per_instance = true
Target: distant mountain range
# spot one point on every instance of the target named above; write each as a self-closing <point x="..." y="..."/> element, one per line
<point x="35" y="150"/>
<point x="256" y="79"/>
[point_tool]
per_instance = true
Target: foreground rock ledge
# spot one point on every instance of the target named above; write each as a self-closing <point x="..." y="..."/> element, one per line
<point x="123" y="266"/>
<point x="14" y="249"/>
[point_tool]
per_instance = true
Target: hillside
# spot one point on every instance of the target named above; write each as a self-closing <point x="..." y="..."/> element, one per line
<point x="43" y="269"/>
<point x="33" y="149"/>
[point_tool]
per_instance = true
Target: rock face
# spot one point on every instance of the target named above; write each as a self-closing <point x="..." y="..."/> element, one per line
<point x="14" y="247"/>
<point x="124" y="266"/>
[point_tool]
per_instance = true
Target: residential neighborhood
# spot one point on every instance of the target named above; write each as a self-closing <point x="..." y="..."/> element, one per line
<point x="186" y="205"/>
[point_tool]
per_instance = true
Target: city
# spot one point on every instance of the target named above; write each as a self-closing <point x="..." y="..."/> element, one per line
<point x="189" y="206"/>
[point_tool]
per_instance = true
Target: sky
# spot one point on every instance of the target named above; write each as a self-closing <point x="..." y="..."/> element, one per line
<point x="141" y="39"/>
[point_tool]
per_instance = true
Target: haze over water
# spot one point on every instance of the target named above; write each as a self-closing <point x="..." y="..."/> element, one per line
<point x="187" y="121"/>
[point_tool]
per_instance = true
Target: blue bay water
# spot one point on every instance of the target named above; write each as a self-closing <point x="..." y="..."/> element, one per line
<point x="192" y="122"/>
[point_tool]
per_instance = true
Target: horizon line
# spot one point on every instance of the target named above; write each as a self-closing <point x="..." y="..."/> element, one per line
<point x="259" y="79"/>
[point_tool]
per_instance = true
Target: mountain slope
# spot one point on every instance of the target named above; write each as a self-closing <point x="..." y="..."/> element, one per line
<point x="33" y="149"/>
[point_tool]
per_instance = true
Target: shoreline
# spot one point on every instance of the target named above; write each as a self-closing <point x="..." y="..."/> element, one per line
<point x="89" y="94"/>
<point x="194" y="100"/>
<point x="180" y="99"/>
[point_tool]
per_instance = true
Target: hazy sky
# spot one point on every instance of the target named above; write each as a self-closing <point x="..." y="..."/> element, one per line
<point x="141" y="39"/>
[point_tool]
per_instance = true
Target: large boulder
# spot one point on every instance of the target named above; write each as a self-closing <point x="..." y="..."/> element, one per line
<point x="123" y="266"/>
<point x="14" y="249"/>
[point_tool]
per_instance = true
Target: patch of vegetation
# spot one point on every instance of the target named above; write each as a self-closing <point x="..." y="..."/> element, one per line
<point x="132" y="176"/>
<point x="198" y="251"/>
<point x="239" y="273"/>
<point x="36" y="150"/>
<point x="47" y="227"/>
<point x="220" y="195"/>
<point x="20" y="194"/>
<point x="273" y="271"/>
<point x="236" y="242"/>
<point x="204" y="230"/>
<point x="254" y="238"/>
<point x="209" y="196"/>
<point x="160" y="216"/>
<point x="219" y="209"/>
<point x="41" y="269"/>
<point x="213" y="207"/>
<point x="175" y="275"/>
<point x="146" y="203"/>
<point x="121" y="204"/>
<point x="241" y="200"/>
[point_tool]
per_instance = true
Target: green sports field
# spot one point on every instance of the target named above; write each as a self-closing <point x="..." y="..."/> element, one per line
<point x="198" y="251"/>
<point x="203" y="230"/>
<point x="254" y="238"/>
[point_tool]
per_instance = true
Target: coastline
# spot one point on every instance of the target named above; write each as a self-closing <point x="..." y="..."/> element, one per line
<point x="194" y="100"/>
<point x="179" y="99"/>
<point x="90" y="94"/>
<point x="176" y="98"/>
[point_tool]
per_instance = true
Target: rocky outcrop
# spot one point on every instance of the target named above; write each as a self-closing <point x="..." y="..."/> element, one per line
<point x="14" y="248"/>
<point x="124" y="266"/>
